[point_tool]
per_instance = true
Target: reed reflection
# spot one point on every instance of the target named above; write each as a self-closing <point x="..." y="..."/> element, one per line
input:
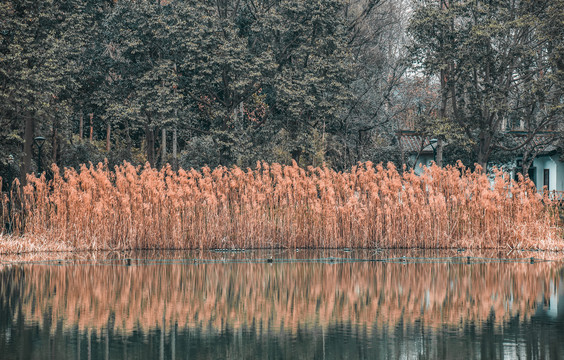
<point x="280" y="296"/>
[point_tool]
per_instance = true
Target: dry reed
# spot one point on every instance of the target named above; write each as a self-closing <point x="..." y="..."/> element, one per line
<point x="276" y="206"/>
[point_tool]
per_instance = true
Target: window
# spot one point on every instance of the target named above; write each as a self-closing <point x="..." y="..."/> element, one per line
<point x="546" y="178"/>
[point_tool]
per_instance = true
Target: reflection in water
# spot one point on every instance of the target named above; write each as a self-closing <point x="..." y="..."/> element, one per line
<point x="281" y="310"/>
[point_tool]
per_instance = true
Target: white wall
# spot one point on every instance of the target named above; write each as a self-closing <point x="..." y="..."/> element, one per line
<point x="559" y="174"/>
<point x="556" y="168"/>
<point x="424" y="160"/>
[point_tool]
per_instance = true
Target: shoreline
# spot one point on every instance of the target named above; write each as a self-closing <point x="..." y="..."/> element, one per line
<point x="274" y="253"/>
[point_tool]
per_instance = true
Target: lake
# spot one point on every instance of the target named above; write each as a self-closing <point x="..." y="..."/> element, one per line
<point x="283" y="304"/>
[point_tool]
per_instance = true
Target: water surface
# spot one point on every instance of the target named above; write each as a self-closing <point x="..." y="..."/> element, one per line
<point x="310" y="305"/>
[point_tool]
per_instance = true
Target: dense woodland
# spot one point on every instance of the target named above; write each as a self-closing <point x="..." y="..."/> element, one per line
<point x="231" y="82"/>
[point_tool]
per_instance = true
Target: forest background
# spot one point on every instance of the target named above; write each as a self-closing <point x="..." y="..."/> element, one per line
<point x="232" y="82"/>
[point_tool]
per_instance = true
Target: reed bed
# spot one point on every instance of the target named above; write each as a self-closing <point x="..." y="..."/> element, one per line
<point x="276" y="206"/>
<point x="288" y="297"/>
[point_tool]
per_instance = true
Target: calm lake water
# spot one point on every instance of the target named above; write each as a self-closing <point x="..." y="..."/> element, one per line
<point x="309" y="305"/>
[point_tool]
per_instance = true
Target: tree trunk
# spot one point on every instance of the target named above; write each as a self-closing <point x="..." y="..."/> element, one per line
<point x="402" y="152"/>
<point x="483" y="151"/>
<point x="175" y="133"/>
<point x="526" y="166"/>
<point x="54" y="143"/>
<point x="439" y="157"/>
<point x="81" y="126"/>
<point x="163" y="156"/>
<point x="528" y="159"/>
<point x="91" y="137"/>
<point x="128" y="139"/>
<point x="108" y="130"/>
<point x="150" y="142"/>
<point x="174" y="149"/>
<point x="28" y="150"/>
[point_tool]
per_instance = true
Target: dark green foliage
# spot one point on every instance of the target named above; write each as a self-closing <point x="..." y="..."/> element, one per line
<point x="498" y="61"/>
<point x="319" y="82"/>
<point x="230" y="77"/>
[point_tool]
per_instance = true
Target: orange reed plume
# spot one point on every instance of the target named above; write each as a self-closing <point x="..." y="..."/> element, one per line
<point x="276" y="206"/>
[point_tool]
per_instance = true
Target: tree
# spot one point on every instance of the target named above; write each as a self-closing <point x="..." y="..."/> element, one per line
<point x="264" y="72"/>
<point x="35" y="73"/>
<point x="376" y="31"/>
<point x="494" y="65"/>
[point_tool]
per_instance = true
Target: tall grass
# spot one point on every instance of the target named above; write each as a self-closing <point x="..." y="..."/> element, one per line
<point x="277" y="206"/>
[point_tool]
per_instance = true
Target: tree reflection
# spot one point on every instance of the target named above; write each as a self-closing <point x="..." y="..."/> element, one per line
<point x="429" y="309"/>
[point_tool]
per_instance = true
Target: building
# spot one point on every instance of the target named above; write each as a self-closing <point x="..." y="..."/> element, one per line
<point x="547" y="168"/>
<point x="417" y="150"/>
